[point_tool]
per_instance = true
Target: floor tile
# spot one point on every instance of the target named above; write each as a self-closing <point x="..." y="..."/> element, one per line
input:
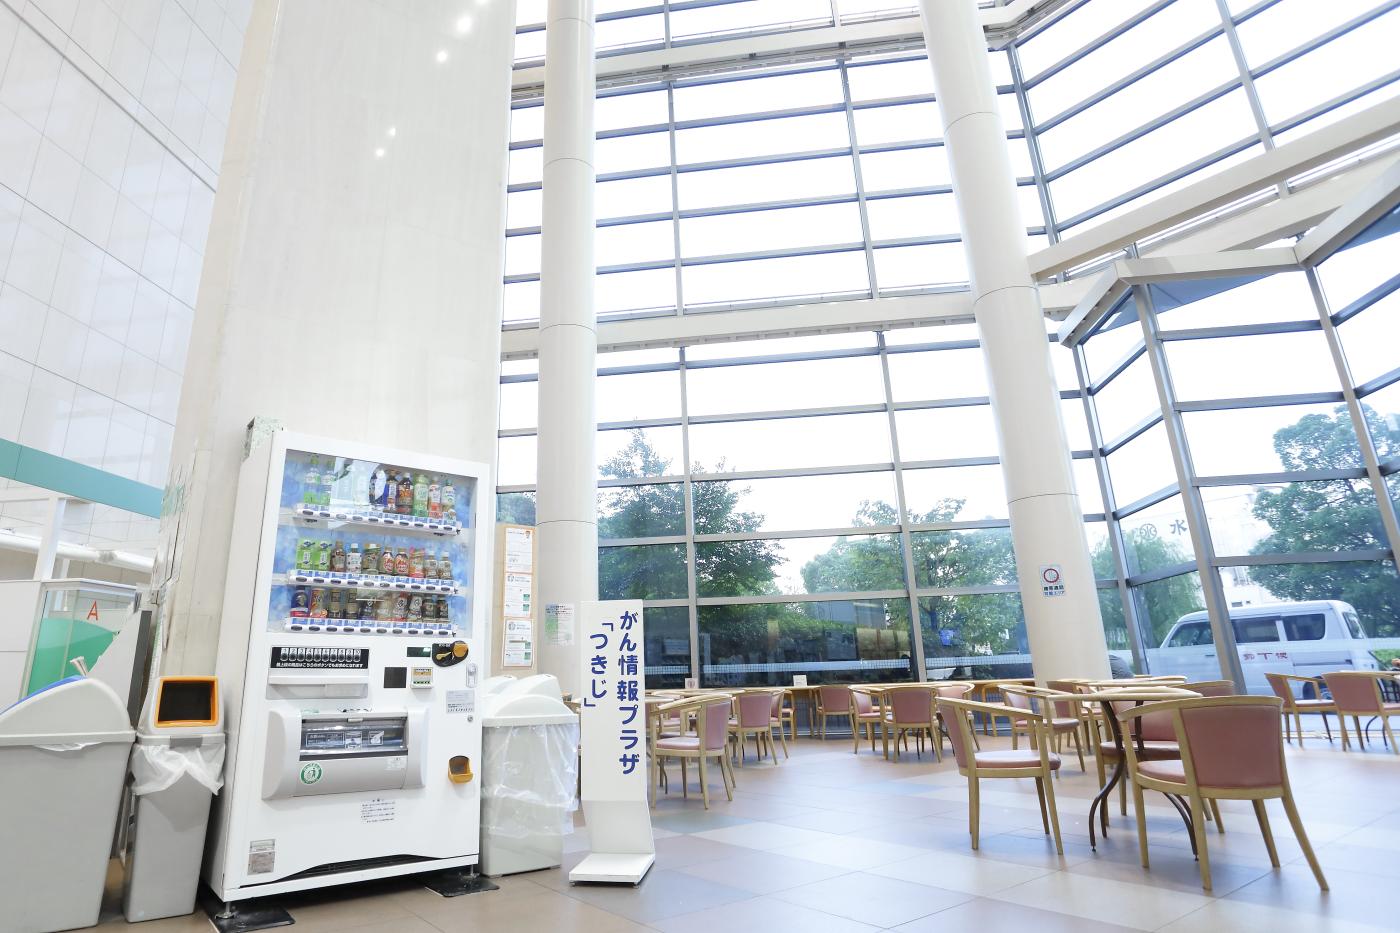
<point x="546" y="912"/>
<point x="762" y="835"/>
<point x="873" y="899"/>
<point x="763" y="872"/>
<point x="663" y="893"/>
<point x="761" y="913"/>
<point x="969" y="874"/>
<point x="686" y="822"/>
<point x="982" y="915"/>
<point x="1136" y="905"/>
<point x="1223" y="916"/>
<point x="851" y="853"/>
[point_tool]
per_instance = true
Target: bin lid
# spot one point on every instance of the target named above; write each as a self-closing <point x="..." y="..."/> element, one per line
<point x="526" y="710"/>
<point x="179" y="740"/>
<point x="74" y="710"/>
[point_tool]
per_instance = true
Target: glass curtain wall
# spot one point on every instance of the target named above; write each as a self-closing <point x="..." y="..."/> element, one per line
<point x="1281" y="391"/>
<point x="797" y="505"/>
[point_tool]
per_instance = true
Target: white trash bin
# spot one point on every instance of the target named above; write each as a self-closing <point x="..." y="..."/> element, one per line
<point x="529" y="777"/>
<point x="63" y="754"/>
<point x="176" y="769"/>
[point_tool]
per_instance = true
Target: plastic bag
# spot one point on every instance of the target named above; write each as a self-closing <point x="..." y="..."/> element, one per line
<point x="156" y="767"/>
<point x="529" y="780"/>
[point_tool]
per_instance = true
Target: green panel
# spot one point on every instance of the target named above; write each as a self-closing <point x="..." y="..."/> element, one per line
<point x="50" y="654"/>
<point x="59" y="474"/>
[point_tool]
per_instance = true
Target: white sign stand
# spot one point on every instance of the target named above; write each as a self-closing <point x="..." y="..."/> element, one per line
<point x="613" y="736"/>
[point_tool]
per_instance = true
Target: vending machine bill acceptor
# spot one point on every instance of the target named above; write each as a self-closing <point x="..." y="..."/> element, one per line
<point x="352" y="631"/>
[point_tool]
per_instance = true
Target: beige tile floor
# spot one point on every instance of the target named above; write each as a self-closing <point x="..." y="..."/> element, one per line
<point x="831" y="842"/>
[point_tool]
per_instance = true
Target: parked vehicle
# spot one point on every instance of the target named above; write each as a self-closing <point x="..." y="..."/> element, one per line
<point x="1306" y="638"/>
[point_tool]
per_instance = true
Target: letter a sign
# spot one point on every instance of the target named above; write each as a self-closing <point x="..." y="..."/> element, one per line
<point x="92" y="615"/>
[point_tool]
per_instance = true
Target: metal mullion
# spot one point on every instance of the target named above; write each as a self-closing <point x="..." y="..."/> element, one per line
<point x="1340" y="100"/>
<point x="1317" y="42"/>
<point x="1118" y="368"/>
<point x="922" y="347"/>
<point x="1098" y="41"/>
<point x="1163" y="573"/>
<point x="779" y="535"/>
<point x="976" y="524"/>
<point x="638" y="423"/>
<point x="806" y="155"/>
<point x="1310" y="557"/>
<point x="720" y="259"/>
<point x="902" y="505"/>
<point x="902" y="100"/>
<point x="859" y="179"/>
<point x="1128" y="80"/>
<point x="675" y="194"/>
<point x="1217" y="607"/>
<point x="760" y="116"/>
<point x="1160" y="181"/>
<point x="1146" y="502"/>
<point x="926" y="404"/>
<point x="952" y="462"/>
<point x="787" y="414"/>
<point x="809" y="356"/>
<point x="649" y="541"/>
<point x="1239" y="330"/>
<point x="1117" y="545"/>
<point x="666" y="25"/>
<point x="937" y="239"/>
<point x="1151" y="126"/>
<point x="1042" y="188"/>
<point x="759" y="206"/>
<point x="1369" y="458"/>
<point x="1263" y="401"/>
<point x="778" y="599"/>
<point x="1372" y="386"/>
<point x="1367" y="300"/>
<point x="622" y="482"/>
<point x="1288" y="476"/>
<point x="992" y="589"/>
<point x="517" y="487"/>
<point x="793" y="473"/>
<point x="886" y="194"/>
<point x="903" y="145"/>
<point x="1132" y="434"/>
<point x="688" y="495"/>
<point x="1256" y="106"/>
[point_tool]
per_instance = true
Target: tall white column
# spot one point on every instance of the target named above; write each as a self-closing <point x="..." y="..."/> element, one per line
<point x="352" y="281"/>
<point x="566" y="507"/>
<point x="1066" y="634"/>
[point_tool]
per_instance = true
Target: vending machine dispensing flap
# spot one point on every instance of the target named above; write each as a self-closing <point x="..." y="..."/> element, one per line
<point x="310" y="754"/>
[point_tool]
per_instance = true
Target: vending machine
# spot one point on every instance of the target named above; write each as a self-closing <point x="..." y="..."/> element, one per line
<point x="350" y="646"/>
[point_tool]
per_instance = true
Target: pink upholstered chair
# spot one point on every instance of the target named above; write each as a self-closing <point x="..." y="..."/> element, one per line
<point x="1212" y="688"/>
<point x="710" y="740"/>
<point x="780" y="716"/>
<point x="1060" y="715"/>
<point x="865" y="717"/>
<point x="833" y="700"/>
<point x="1231" y="749"/>
<point x="910" y="710"/>
<point x="753" y="717"/>
<point x="1039" y="763"/>
<point x="950" y="690"/>
<point x="1282" y="685"/>
<point x="1357" y="694"/>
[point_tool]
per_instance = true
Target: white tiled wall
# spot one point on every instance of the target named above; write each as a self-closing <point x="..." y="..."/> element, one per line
<point x="112" y="122"/>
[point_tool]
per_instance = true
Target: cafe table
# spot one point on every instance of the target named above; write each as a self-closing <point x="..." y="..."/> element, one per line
<point x="1139" y="695"/>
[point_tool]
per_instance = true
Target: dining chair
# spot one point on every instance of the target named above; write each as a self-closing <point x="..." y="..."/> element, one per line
<point x="753" y="716"/>
<point x="950" y="690"/>
<point x="1038" y="763"/>
<point x="1231" y="749"/>
<point x="1212" y="688"/>
<point x="1282" y="685"/>
<point x="711" y="740"/>
<point x="1357" y="694"/>
<point x="866" y="715"/>
<point x="833" y="700"/>
<point x="910" y="710"/>
<point x="1059" y="708"/>
<point x="781" y="714"/>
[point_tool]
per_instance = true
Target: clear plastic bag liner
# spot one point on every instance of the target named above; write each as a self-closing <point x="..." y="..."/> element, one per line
<point x="156" y="767"/>
<point x="529" y="780"/>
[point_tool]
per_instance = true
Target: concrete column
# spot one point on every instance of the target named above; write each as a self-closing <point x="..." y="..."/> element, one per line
<point x="352" y="281"/>
<point x="566" y="507"/>
<point x="1066" y="634"/>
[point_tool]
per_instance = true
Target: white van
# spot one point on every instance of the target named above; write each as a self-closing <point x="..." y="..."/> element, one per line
<point x="1306" y="638"/>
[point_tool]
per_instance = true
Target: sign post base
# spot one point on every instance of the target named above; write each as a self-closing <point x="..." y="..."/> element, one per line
<point x="613" y="868"/>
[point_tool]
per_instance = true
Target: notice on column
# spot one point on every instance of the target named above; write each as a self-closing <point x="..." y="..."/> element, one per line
<point x="559" y="624"/>
<point x="518" y="595"/>
<point x="520" y="550"/>
<point x="518" y="644"/>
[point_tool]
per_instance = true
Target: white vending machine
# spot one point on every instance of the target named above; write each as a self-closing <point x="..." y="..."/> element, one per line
<point x="352" y="635"/>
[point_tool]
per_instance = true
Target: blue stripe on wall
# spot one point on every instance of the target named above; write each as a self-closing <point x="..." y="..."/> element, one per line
<point x="59" y="474"/>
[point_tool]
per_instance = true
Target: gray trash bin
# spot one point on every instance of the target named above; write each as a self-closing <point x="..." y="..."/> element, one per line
<point x="176" y="769"/>
<point x="63" y="754"/>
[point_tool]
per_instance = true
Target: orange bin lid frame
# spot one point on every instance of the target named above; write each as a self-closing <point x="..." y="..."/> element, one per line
<point x="213" y="683"/>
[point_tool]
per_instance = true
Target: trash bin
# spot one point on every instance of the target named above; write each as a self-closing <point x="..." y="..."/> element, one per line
<point x="529" y="776"/>
<point x="176" y="769"/>
<point x="63" y="753"/>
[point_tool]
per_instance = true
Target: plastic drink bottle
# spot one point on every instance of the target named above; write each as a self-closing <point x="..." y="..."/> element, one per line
<point x="420" y="496"/>
<point x="304" y="558"/>
<point x="327" y="484"/>
<point x="323" y="557"/>
<point x="338" y="557"/>
<point x="435" y="499"/>
<point x="386" y="562"/>
<point x="449" y="501"/>
<point x="430" y="565"/>
<point x="353" y="560"/>
<point x="405" y="493"/>
<point x="390" y="502"/>
<point x="415" y="564"/>
<point x="311" y="482"/>
<point x="401" y="564"/>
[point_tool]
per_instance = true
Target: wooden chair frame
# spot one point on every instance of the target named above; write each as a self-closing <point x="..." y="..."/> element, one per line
<point x="1380" y="711"/>
<point x="787" y="718"/>
<point x="683" y="708"/>
<point x="865" y="723"/>
<point x="902" y="729"/>
<point x="1047" y="699"/>
<point x="823" y="714"/>
<point x="1199" y="795"/>
<point x="1291" y="707"/>
<point x="940" y="727"/>
<point x="1044" y="787"/>
<point x="762" y="735"/>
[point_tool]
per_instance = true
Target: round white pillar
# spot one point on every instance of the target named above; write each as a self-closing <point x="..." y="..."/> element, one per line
<point x="566" y="506"/>
<point x="1065" y="630"/>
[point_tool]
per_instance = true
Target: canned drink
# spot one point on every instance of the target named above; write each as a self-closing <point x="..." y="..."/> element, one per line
<point x="415" y="608"/>
<point x="401" y="608"/>
<point x="318" y="603"/>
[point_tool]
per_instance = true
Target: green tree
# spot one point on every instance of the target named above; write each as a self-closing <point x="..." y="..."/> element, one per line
<point x="1329" y="515"/>
<point x="1162" y="602"/>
